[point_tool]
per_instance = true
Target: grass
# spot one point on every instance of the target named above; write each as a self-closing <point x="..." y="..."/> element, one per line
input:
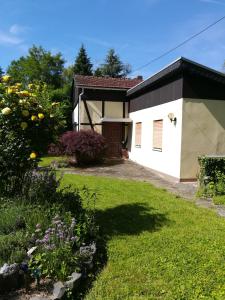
<point x="46" y="161"/>
<point x="159" y="246"/>
<point x="219" y="199"/>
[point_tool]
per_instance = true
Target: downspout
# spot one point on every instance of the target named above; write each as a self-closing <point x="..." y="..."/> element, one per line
<point x="79" y="103"/>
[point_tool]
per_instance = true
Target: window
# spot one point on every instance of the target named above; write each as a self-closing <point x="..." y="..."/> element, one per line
<point x="138" y="134"/>
<point x="157" y="135"/>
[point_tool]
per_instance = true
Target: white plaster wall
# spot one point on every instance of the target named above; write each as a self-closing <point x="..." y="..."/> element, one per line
<point x="168" y="161"/>
<point x="75" y="115"/>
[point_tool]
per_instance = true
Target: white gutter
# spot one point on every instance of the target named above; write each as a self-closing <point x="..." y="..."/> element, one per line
<point x="79" y="103"/>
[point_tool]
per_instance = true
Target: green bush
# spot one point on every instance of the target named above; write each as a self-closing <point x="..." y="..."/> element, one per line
<point x="212" y="175"/>
<point x="29" y="121"/>
<point x="219" y="200"/>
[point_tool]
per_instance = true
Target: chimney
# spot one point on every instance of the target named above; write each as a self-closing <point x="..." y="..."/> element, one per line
<point x="139" y="77"/>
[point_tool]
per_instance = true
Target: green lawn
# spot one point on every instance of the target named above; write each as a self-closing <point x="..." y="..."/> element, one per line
<point x="159" y="246"/>
<point x="46" y="161"/>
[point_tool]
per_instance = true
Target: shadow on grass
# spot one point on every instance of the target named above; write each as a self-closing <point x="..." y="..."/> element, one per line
<point x="126" y="219"/>
<point x="130" y="219"/>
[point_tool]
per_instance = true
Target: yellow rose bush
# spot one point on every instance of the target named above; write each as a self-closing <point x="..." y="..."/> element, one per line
<point x="28" y="124"/>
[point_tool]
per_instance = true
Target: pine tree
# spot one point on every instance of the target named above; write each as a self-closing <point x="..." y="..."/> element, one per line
<point x="83" y="65"/>
<point x="113" y="66"/>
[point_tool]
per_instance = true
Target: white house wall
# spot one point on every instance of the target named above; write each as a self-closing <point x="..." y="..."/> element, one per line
<point x="167" y="161"/>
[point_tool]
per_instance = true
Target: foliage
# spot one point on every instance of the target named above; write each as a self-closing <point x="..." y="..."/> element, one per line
<point x="159" y="246"/>
<point x="56" y="244"/>
<point x="113" y="66"/>
<point x="83" y="65"/>
<point x="58" y="225"/>
<point x="63" y="95"/>
<point x="17" y="220"/>
<point x="212" y="176"/>
<point x="40" y="186"/>
<point x="1" y="72"/>
<point x="28" y="123"/>
<point x="38" y="65"/>
<point x="88" y="146"/>
<point x="219" y="199"/>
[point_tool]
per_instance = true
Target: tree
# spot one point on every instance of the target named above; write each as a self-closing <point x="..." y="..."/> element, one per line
<point x="1" y="72"/>
<point x="38" y="65"/>
<point x="113" y="66"/>
<point x="83" y="65"/>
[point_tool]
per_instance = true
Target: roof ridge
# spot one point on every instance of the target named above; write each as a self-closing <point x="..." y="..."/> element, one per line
<point x="106" y="77"/>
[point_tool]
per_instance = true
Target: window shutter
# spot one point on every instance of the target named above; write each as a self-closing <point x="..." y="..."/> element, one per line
<point x="138" y="134"/>
<point x="157" y="134"/>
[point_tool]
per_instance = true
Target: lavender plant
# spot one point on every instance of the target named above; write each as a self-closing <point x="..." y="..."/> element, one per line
<point x="55" y="256"/>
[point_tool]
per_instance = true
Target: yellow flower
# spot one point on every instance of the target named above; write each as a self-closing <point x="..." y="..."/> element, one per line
<point x="33" y="155"/>
<point x="31" y="86"/>
<point x="6" y="78"/>
<point x="34" y="118"/>
<point x="24" y="94"/>
<point x="24" y="125"/>
<point x="11" y="89"/>
<point x="6" y="111"/>
<point x="41" y="116"/>
<point x="25" y="113"/>
<point x="55" y="103"/>
<point x="18" y="85"/>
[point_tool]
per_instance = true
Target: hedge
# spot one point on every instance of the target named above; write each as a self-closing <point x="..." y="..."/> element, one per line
<point x="211" y="169"/>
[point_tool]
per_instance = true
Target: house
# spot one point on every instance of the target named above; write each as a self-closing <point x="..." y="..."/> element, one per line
<point x="101" y="104"/>
<point x="165" y="121"/>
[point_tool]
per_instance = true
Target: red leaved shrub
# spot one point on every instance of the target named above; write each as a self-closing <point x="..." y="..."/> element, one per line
<point x="55" y="149"/>
<point x="88" y="146"/>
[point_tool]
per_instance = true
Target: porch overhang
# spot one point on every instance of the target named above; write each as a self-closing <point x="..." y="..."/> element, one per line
<point x="117" y="120"/>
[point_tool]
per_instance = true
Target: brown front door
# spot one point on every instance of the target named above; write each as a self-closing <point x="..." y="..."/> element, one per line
<point x="113" y="133"/>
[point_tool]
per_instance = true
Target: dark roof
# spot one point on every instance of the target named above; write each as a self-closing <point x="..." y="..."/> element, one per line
<point x="105" y="82"/>
<point x="180" y="65"/>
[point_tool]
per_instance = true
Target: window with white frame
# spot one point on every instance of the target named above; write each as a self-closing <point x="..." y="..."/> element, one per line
<point x="157" y="135"/>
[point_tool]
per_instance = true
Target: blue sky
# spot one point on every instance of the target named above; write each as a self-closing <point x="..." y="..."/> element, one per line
<point x="139" y="30"/>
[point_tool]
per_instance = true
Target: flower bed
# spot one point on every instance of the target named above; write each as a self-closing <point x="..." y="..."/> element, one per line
<point x="52" y="239"/>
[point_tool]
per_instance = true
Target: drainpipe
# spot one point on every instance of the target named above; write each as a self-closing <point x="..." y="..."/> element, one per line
<point x="79" y="103"/>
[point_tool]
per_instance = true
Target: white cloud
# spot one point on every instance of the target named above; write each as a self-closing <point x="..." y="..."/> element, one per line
<point x="17" y="29"/>
<point x="8" y="39"/>
<point x="13" y="37"/>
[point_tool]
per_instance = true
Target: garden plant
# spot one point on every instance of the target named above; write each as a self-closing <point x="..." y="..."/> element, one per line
<point x="35" y="210"/>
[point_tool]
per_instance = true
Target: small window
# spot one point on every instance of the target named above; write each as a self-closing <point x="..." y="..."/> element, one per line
<point x="157" y="135"/>
<point x="138" y="134"/>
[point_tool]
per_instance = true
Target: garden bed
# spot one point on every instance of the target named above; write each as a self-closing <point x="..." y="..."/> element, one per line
<point x="51" y="238"/>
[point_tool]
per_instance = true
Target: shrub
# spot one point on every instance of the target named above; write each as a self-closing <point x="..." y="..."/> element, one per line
<point x="219" y="199"/>
<point x="28" y="123"/>
<point x="40" y="186"/>
<point x="212" y="175"/>
<point x="88" y="146"/>
<point x="55" y="149"/>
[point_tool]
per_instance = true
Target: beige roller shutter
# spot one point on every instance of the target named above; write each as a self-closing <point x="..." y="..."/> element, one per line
<point x="138" y="134"/>
<point x="157" y="134"/>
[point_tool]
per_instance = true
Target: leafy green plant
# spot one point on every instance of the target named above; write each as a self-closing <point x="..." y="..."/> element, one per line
<point x="28" y="123"/>
<point x="56" y="257"/>
<point x="211" y="176"/>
